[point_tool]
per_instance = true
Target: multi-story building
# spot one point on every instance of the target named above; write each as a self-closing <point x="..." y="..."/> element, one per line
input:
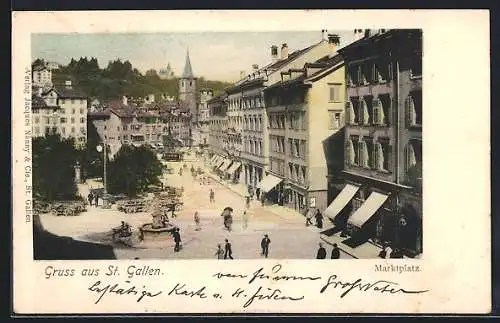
<point x="166" y="73"/>
<point x="124" y="124"/>
<point x="381" y="202"/>
<point x="62" y="110"/>
<point x="203" y="118"/>
<point x="218" y="123"/>
<point x="305" y="112"/>
<point x="247" y="105"/>
<point x="42" y="76"/>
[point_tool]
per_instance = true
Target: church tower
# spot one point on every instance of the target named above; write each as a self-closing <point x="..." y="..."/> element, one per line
<point x="187" y="89"/>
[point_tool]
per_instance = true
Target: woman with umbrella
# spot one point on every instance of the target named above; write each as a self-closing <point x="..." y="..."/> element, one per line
<point x="228" y="217"/>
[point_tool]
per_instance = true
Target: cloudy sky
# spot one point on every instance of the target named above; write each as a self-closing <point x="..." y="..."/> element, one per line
<point x="216" y="56"/>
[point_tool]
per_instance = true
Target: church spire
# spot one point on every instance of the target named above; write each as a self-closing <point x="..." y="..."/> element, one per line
<point x="188" y="71"/>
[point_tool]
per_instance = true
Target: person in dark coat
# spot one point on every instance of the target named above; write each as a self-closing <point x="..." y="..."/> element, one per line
<point x="212" y="196"/>
<point x="264" y="244"/>
<point x="177" y="239"/>
<point x="319" y="219"/>
<point x="335" y="252"/>
<point x="228" y="250"/>
<point x="90" y="197"/>
<point x="321" y="252"/>
<point x="247" y="201"/>
<point x="96" y="200"/>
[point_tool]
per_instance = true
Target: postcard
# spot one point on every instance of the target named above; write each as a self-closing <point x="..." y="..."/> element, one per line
<point x="319" y="161"/>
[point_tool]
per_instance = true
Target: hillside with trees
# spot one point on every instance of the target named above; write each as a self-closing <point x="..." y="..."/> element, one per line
<point x="120" y="78"/>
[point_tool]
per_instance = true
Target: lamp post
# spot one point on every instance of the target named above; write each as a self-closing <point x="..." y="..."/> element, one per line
<point x="103" y="148"/>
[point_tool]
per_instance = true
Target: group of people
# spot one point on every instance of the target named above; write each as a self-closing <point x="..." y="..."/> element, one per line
<point x="227" y="252"/>
<point x="317" y="216"/>
<point x="93" y="197"/>
<point x="322" y="252"/>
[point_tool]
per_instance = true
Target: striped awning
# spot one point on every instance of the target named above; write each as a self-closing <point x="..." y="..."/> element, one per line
<point x="233" y="168"/>
<point x="225" y="164"/>
<point x="367" y="209"/>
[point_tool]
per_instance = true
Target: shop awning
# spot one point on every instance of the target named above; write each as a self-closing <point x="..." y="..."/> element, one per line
<point x="225" y="164"/>
<point x="216" y="160"/>
<point x="219" y="162"/>
<point x="233" y="168"/>
<point x="212" y="160"/>
<point x="341" y="201"/>
<point x="269" y="182"/>
<point x="368" y="209"/>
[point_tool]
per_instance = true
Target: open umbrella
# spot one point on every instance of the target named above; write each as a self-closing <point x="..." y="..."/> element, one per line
<point x="228" y="208"/>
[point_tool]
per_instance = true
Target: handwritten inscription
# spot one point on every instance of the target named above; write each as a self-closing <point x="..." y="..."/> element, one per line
<point x="252" y="291"/>
<point x="381" y="286"/>
<point x="105" y="289"/>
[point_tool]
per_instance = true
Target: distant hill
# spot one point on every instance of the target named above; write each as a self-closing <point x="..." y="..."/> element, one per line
<point x="120" y="78"/>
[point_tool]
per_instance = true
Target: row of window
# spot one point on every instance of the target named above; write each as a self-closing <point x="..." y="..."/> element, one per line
<point x="61" y="111"/>
<point x="254" y="147"/>
<point x="297" y="173"/>
<point x="245" y="103"/>
<point x="294" y="120"/>
<point x="277" y="166"/>
<point x="253" y="123"/>
<point x="379" y="71"/>
<point x="60" y="130"/>
<point x="47" y="120"/>
<point x="369" y="154"/>
<point x="277" y="99"/>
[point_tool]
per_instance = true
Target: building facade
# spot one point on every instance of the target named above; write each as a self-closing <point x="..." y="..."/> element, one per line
<point x="306" y="117"/>
<point x="203" y="117"/>
<point x="218" y="123"/>
<point x="42" y="76"/>
<point x="381" y="202"/>
<point x="62" y="110"/>
<point x="247" y="107"/>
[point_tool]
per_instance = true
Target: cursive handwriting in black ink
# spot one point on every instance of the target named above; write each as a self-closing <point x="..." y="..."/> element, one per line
<point x="220" y="275"/>
<point x="118" y="290"/>
<point x="181" y="290"/>
<point x="270" y="294"/>
<point x="275" y="277"/>
<point x="381" y="286"/>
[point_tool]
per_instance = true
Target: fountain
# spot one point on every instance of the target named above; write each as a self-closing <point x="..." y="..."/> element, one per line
<point x="158" y="230"/>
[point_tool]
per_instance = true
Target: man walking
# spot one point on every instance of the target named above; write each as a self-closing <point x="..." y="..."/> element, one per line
<point x="228" y="250"/>
<point x="97" y="200"/>
<point x="321" y="252"/>
<point x="177" y="240"/>
<point x="245" y="219"/>
<point x="264" y="244"/>
<point x="212" y="196"/>
<point x="197" y="221"/>
<point x="90" y="197"/>
<point x="319" y="219"/>
<point x="335" y="252"/>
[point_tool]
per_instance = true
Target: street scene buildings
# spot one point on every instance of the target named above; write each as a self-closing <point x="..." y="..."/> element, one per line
<point x="318" y="144"/>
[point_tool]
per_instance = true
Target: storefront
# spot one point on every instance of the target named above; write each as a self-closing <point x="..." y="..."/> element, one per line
<point x="272" y="188"/>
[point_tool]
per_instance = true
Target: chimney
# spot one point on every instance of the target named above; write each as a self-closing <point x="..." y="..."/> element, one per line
<point x="242" y="75"/>
<point x="274" y="53"/>
<point x="324" y="34"/>
<point x="124" y="100"/>
<point x="67" y="84"/>
<point x="334" y="42"/>
<point x="255" y="67"/>
<point x="284" y="51"/>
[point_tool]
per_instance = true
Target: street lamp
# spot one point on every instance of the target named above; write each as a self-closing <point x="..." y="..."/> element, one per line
<point x="102" y="148"/>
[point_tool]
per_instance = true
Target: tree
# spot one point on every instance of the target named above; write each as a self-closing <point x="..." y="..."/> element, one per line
<point x="133" y="170"/>
<point x="54" y="159"/>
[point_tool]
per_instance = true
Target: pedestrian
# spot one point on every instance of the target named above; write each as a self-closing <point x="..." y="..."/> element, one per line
<point x="319" y="219"/>
<point x="264" y="244"/>
<point x="212" y="196"/>
<point x="177" y="240"/>
<point x="219" y="253"/>
<point x="247" y="201"/>
<point x="245" y="219"/>
<point x="197" y="221"/>
<point x="96" y="199"/>
<point x="308" y="217"/>
<point x="90" y="197"/>
<point x="321" y="252"/>
<point x="228" y="250"/>
<point x="262" y="199"/>
<point x="335" y="252"/>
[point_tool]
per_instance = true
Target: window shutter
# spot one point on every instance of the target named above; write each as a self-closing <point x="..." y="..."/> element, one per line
<point x="364" y="112"/>
<point x="389" y="72"/>
<point x="407" y="111"/>
<point x="349" y="111"/>
<point x="374" y="73"/>
<point x="359" y="76"/>
<point x="376" y="111"/>
<point x="365" y="155"/>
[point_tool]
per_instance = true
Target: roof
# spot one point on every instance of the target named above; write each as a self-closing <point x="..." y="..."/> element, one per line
<point x="288" y="83"/>
<point x="65" y="92"/>
<point x="188" y="70"/>
<point x="38" y="102"/>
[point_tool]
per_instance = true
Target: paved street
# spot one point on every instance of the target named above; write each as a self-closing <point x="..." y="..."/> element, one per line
<point x="290" y="238"/>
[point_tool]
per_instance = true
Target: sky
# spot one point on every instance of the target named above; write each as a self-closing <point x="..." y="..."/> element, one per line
<point x="215" y="56"/>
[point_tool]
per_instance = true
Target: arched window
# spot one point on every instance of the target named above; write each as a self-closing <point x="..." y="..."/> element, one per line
<point x="363" y="154"/>
<point x="349" y="111"/>
<point x="378" y="156"/>
<point x="378" y="112"/>
<point x="363" y="112"/>
<point x="411" y="159"/>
